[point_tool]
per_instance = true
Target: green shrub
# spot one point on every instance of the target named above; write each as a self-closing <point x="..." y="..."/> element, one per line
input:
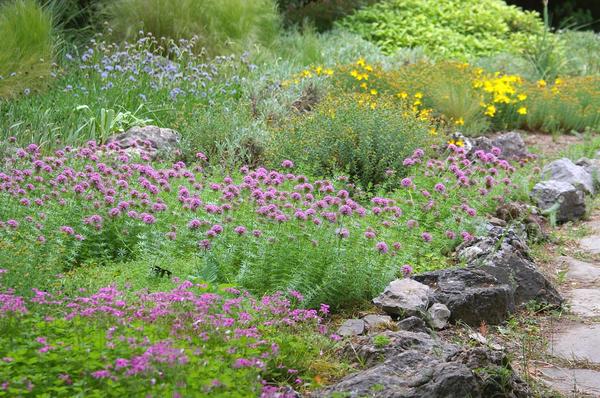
<point x="320" y="13"/>
<point x="363" y="137"/>
<point x="446" y="28"/>
<point x="26" y="49"/>
<point x="221" y="25"/>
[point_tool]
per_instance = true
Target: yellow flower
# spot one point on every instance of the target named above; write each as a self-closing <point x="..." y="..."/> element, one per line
<point x="433" y="131"/>
<point x="558" y="81"/>
<point x="417" y="103"/>
<point x="555" y="90"/>
<point x="459" y="143"/>
<point x="363" y="85"/>
<point x="318" y="70"/>
<point x="306" y="73"/>
<point x="542" y="83"/>
<point x="361" y="62"/>
<point x="490" y="110"/>
<point x="522" y="97"/>
<point x="373" y="105"/>
<point x="329" y="72"/>
<point x="373" y="91"/>
<point x="451" y="142"/>
<point x="418" y="95"/>
<point x="402" y="95"/>
<point x="460" y="121"/>
<point x="522" y="111"/>
<point x="368" y="68"/>
<point x="354" y="73"/>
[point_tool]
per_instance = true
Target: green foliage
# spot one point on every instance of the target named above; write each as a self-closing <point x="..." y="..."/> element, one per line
<point x="221" y="25"/>
<point x="347" y="133"/>
<point x="446" y="28"/>
<point x="26" y="49"/>
<point x="583" y="49"/>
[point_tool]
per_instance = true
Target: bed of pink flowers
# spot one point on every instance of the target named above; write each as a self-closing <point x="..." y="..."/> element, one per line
<point x="263" y="230"/>
<point x="190" y="341"/>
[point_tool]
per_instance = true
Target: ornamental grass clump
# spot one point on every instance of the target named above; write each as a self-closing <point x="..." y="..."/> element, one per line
<point x="191" y="341"/>
<point x="27" y="47"/>
<point x="263" y="230"/>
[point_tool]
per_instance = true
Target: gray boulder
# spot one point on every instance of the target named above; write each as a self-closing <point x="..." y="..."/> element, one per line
<point x="511" y="144"/>
<point x="351" y="327"/>
<point x="570" y="201"/>
<point x="147" y="140"/>
<point x="417" y="365"/>
<point x="503" y="253"/>
<point x="564" y="170"/>
<point x="471" y="294"/>
<point x="404" y="297"/>
<point x="439" y="315"/>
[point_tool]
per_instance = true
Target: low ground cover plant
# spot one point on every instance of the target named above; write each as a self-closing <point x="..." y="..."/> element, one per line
<point x="263" y="230"/>
<point x="191" y="341"/>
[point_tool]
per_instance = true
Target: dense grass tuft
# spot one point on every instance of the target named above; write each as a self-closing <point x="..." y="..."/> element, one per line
<point x="26" y="32"/>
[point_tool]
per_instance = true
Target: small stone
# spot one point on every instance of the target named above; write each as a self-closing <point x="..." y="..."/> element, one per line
<point x="564" y="170"/>
<point x="147" y="139"/>
<point x="404" y="297"/>
<point x="352" y="327"/>
<point x="374" y="321"/>
<point x="439" y="314"/>
<point x="585" y="302"/>
<point x="581" y="271"/>
<point x="413" y="324"/>
<point x="497" y="222"/>
<point x="512" y="145"/>
<point x="478" y="337"/>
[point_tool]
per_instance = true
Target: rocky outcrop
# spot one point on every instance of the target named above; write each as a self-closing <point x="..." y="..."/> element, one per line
<point x="412" y="365"/>
<point x="471" y="294"/>
<point x="560" y="197"/>
<point x="503" y="253"/>
<point x="511" y="145"/>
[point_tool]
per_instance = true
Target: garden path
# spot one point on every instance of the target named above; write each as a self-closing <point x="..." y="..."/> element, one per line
<point x="574" y="347"/>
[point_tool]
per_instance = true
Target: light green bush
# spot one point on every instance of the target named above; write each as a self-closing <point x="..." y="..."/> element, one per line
<point x="446" y="28"/>
<point x="26" y="47"/>
<point x="583" y="49"/>
<point x="222" y="25"/>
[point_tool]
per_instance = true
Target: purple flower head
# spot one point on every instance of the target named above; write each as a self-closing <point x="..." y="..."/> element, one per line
<point x="287" y="164"/>
<point x="342" y="232"/>
<point x="240" y="230"/>
<point x="426" y="236"/>
<point x="382" y="247"/>
<point x="406" y="182"/>
<point x="406" y="270"/>
<point x="439" y="187"/>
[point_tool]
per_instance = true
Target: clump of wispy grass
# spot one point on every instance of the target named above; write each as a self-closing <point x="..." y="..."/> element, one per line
<point x="26" y="34"/>
<point x="222" y="25"/>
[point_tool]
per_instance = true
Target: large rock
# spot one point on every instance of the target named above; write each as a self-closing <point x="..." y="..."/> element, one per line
<point x="375" y="321"/>
<point x="415" y="365"/>
<point x="592" y="166"/>
<point x="569" y="201"/>
<point x="503" y="253"/>
<point x="511" y="144"/>
<point x="471" y="294"/>
<point x="565" y="170"/>
<point x="351" y="327"/>
<point x="404" y="297"/>
<point x="147" y="140"/>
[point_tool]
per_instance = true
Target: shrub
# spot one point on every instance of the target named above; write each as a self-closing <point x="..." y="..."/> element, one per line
<point x="361" y="135"/>
<point x="221" y="25"/>
<point x="320" y="13"/>
<point x="584" y="53"/>
<point x="193" y="341"/>
<point x="26" y="52"/>
<point x="446" y="28"/>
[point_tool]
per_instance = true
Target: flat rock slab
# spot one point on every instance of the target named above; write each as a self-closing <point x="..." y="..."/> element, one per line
<point x="573" y="381"/>
<point x="591" y="244"/>
<point x="580" y="271"/>
<point x="585" y="302"/>
<point x="578" y="342"/>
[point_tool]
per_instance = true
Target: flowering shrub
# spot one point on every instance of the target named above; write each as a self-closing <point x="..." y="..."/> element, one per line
<point x="190" y="341"/>
<point x="261" y="229"/>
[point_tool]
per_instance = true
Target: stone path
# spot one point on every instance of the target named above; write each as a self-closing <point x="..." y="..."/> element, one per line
<point x="575" y="345"/>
